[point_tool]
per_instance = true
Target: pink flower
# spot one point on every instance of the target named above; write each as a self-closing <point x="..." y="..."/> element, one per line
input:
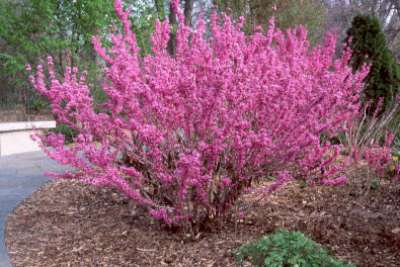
<point x="226" y="181"/>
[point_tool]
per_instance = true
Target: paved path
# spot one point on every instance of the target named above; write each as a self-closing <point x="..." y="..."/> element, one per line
<point x="20" y="176"/>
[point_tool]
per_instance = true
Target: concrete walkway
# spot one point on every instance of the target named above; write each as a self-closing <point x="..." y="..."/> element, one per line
<point x="20" y="176"/>
<point x="15" y="137"/>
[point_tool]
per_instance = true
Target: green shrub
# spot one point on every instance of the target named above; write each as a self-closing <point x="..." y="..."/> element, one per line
<point x="38" y="104"/>
<point x="367" y="41"/>
<point x="68" y="132"/>
<point x="375" y="184"/>
<point x="286" y="249"/>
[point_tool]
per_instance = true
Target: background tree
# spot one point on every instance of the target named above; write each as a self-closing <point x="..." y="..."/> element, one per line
<point x="31" y="29"/>
<point x="288" y="13"/>
<point x="340" y="14"/>
<point x="369" y="46"/>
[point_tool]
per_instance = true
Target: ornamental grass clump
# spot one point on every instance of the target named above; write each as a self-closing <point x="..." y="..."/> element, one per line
<point x="185" y="135"/>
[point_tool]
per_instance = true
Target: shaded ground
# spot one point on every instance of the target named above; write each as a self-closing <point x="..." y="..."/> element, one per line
<point x="69" y="224"/>
<point x="20" y="175"/>
<point x="19" y="114"/>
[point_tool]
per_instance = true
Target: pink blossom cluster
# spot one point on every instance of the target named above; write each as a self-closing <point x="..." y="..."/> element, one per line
<point x="185" y="135"/>
<point x="379" y="157"/>
<point x="397" y="171"/>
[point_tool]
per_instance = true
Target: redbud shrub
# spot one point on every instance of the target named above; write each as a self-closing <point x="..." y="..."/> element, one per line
<point x="185" y="135"/>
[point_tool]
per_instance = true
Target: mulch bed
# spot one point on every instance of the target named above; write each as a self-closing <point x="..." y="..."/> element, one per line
<point x="69" y="224"/>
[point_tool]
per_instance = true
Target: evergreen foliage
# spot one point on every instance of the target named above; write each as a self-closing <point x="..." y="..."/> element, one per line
<point x="368" y="43"/>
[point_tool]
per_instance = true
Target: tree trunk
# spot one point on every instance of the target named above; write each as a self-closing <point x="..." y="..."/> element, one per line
<point x="188" y="12"/>
<point x="172" y="36"/>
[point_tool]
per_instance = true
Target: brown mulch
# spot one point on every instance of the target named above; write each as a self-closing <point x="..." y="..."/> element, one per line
<point x="69" y="224"/>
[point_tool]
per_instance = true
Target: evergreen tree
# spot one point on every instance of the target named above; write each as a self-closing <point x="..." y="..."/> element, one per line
<point x="367" y="40"/>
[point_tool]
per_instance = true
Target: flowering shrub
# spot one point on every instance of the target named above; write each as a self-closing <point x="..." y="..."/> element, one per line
<point x="373" y="138"/>
<point x="380" y="157"/>
<point x="185" y="135"/>
<point x="381" y="161"/>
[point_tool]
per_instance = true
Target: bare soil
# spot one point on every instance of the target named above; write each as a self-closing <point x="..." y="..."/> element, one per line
<point x="69" y="224"/>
